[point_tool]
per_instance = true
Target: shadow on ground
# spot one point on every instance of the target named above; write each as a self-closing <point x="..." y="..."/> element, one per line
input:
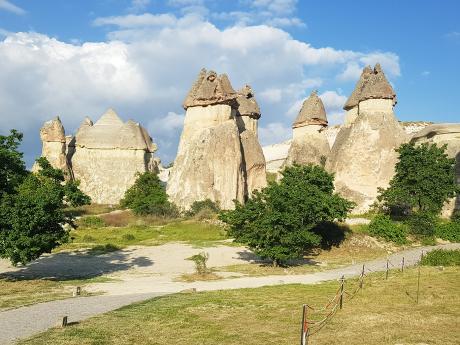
<point x="76" y="265"/>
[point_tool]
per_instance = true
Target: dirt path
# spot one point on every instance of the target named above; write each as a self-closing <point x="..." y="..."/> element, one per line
<point x="26" y="321"/>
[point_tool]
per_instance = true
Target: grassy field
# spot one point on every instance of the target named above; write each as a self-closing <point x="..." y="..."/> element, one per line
<point x="383" y="313"/>
<point x="18" y="293"/>
<point x="189" y="231"/>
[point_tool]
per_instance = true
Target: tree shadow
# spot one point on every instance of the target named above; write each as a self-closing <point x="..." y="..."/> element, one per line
<point x="76" y="265"/>
<point x="332" y="234"/>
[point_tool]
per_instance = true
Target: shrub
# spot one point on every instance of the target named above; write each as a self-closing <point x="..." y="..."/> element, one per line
<point x="203" y="209"/>
<point x="128" y="237"/>
<point x="332" y="234"/>
<point x="148" y="197"/>
<point x="382" y="226"/>
<point x="449" y="231"/>
<point x="200" y="261"/>
<point x="103" y="249"/>
<point x="88" y="238"/>
<point x="424" y="180"/>
<point x="422" y="223"/>
<point x="278" y="222"/>
<point x="91" y="222"/>
<point x="440" y="257"/>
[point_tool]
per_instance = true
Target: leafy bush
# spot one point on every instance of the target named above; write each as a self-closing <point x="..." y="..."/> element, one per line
<point x="449" y="231"/>
<point x="424" y="180"/>
<point x="422" y="223"/>
<point x="203" y="209"/>
<point x="200" y="261"/>
<point x="91" y="222"/>
<point x="382" y="226"/>
<point x="148" y="197"/>
<point x="332" y="234"/>
<point x="128" y="237"/>
<point x="278" y="222"/>
<point x="441" y="257"/>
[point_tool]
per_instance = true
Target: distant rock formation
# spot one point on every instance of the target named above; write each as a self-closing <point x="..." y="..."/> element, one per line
<point x="53" y="138"/>
<point x="104" y="157"/>
<point x="444" y="134"/>
<point x="218" y="157"/>
<point x="275" y="155"/>
<point x="363" y="156"/>
<point x="309" y="142"/>
<point x="247" y="116"/>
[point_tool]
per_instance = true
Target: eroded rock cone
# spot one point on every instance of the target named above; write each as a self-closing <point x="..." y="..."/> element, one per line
<point x="209" y="162"/>
<point x="363" y="156"/>
<point x="107" y="156"/>
<point x="309" y="142"/>
<point x="53" y="138"/>
<point x="247" y="117"/>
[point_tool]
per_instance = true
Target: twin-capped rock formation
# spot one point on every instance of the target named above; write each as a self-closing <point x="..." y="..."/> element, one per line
<point x="219" y="157"/>
<point x="363" y="156"/>
<point x="309" y="141"/>
<point x="105" y="157"/>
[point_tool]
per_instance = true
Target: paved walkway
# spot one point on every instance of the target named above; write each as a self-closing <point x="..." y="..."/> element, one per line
<point x="27" y="321"/>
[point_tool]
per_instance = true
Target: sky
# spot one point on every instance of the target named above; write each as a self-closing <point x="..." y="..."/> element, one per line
<point x="77" y="58"/>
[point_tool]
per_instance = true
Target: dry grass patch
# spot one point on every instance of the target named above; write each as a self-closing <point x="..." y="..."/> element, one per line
<point x="194" y="277"/>
<point x="381" y="314"/>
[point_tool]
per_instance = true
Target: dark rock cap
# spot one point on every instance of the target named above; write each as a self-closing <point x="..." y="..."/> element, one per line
<point x="247" y="104"/>
<point x="312" y="112"/>
<point x="355" y="96"/>
<point x="209" y="89"/>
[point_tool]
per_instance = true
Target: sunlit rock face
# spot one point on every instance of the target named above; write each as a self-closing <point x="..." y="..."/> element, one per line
<point x="209" y="162"/>
<point x="219" y="156"/>
<point x="444" y="134"/>
<point x="363" y="156"/>
<point x="53" y="138"/>
<point x="247" y="117"/>
<point x="309" y="141"/>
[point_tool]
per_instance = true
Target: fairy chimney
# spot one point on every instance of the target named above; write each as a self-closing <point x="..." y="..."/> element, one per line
<point x="309" y="142"/>
<point x="363" y="156"/>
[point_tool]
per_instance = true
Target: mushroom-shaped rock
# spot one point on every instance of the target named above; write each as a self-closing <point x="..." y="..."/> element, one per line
<point x="363" y="156"/>
<point x="210" y="89"/>
<point x="309" y="141"/>
<point x="312" y="112"/>
<point x="52" y="135"/>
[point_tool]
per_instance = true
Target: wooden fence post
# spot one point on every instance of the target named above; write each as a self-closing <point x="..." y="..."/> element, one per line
<point x="341" y="291"/>
<point x="386" y="274"/>
<point x="402" y="265"/>
<point x="362" y="279"/>
<point x="304" y="327"/>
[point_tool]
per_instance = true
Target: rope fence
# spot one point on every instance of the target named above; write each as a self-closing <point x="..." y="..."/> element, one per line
<point x="314" y="319"/>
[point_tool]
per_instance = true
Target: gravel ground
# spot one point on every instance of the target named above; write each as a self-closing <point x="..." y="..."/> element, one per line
<point x="27" y="321"/>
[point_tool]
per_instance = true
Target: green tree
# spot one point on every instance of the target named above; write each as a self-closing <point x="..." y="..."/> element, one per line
<point x="278" y="223"/>
<point x="32" y="217"/>
<point x="12" y="167"/>
<point x="424" y="180"/>
<point x="147" y="196"/>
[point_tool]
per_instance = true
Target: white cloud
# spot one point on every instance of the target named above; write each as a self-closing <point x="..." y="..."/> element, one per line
<point x="137" y="21"/>
<point x="273" y="133"/>
<point x="138" y="5"/>
<point x="146" y="67"/>
<point x="10" y="7"/>
<point x="281" y="7"/>
<point x="332" y="100"/>
<point x="425" y="73"/>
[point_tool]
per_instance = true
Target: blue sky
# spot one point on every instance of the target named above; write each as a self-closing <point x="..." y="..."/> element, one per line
<point x="77" y="58"/>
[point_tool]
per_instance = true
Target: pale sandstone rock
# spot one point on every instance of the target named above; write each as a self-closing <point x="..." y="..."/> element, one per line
<point x="53" y="139"/>
<point x="444" y="134"/>
<point x="209" y="162"/>
<point x="363" y="156"/>
<point x="247" y="116"/>
<point x="309" y="142"/>
<point x="106" y="157"/>
<point x="275" y="155"/>
<point x="219" y="156"/>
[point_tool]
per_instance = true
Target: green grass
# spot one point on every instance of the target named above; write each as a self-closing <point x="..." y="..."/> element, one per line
<point x="440" y="257"/>
<point x="192" y="232"/>
<point x="18" y="293"/>
<point x="384" y="313"/>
